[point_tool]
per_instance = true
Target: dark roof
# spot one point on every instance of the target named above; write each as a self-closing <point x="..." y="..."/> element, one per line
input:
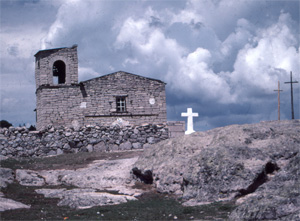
<point x="48" y="50"/>
<point x="152" y="79"/>
<point x="53" y="49"/>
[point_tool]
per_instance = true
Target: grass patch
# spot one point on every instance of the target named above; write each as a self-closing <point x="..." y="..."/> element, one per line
<point x="151" y="206"/>
<point x="41" y="208"/>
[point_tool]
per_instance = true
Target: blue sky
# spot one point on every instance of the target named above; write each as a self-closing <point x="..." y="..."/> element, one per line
<point x="223" y="58"/>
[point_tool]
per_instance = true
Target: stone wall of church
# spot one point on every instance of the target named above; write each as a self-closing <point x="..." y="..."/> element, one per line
<point x="58" y="106"/>
<point x="145" y="99"/>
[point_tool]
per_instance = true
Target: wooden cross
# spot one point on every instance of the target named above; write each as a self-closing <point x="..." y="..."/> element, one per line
<point x="190" y="116"/>
<point x="292" y="102"/>
<point x="278" y="99"/>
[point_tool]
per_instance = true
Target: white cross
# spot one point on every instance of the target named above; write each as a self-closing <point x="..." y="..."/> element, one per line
<point x="189" y="115"/>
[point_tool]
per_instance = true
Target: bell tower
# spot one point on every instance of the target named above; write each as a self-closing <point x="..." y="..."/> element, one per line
<point x="57" y="88"/>
<point x="56" y="67"/>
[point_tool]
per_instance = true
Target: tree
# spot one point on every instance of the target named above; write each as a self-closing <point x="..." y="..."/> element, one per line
<point x="32" y="128"/>
<point x="5" y="124"/>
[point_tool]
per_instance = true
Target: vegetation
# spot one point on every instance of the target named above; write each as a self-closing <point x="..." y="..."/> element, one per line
<point x="5" y="124"/>
<point x="151" y="206"/>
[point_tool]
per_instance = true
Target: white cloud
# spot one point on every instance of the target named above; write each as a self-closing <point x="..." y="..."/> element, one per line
<point x="87" y="73"/>
<point x="271" y="59"/>
<point x="196" y="78"/>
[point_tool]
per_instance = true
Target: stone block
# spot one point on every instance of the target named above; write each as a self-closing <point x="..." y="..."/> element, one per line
<point x="126" y="146"/>
<point x="100" y="147"/>
<point x="113" y="147"/>
<point x="147" y="146"/>
<point x="90" y="148"/>
<point x="59" y="151"/>
<point x="151" y="140"/>
<point x="137" y="145"/>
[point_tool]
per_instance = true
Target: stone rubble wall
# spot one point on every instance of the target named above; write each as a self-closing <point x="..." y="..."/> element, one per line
<point x="20" y="142"/>
<point x="176" y="128"/>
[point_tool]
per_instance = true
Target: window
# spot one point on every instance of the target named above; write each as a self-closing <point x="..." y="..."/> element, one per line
<point x="121" y="104"/>
<point x="59" y="72"/>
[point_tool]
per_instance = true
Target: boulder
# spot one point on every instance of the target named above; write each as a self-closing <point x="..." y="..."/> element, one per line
<point x="126" y="146"/>
<point x="230" y="163"/>
<point x="137" y="145"/>
<point x="100" y="147"/>
<point x="59" y="151"/>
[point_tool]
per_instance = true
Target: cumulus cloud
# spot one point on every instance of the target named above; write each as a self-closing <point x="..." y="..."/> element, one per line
<point x="273" y="55"/>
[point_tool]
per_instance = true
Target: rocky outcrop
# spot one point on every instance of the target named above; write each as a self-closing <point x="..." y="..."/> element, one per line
<point x="9" y="204"/>
<point x="20" y="142"/>
<point x="101" y="175"/>
<point x="277" y="199"/>
<point x="84" y="198"/>
<point x="244" y="162"/>
<point x="91" y="186"/>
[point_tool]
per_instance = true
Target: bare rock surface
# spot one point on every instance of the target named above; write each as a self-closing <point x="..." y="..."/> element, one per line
<point x="101" y="175"/>
<point x="230" y="163"/>
<point x="277" y="199"/>
<point x="84" y="198"/>
<point x="9" y="204"/>
<point x="29" y="178"/>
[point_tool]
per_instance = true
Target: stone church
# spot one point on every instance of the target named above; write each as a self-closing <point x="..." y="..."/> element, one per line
<point x="116" y="97"/>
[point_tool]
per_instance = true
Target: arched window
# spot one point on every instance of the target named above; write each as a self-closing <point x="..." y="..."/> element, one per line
<point x="59" y="72"/>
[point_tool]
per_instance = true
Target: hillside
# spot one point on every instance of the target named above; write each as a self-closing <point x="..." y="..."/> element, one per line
<point x="256" y="166"/>
<point x="236" y="172"/>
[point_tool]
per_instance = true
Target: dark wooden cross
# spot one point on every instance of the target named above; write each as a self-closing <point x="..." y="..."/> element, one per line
<point x="292" y="102"/>
<point x="278" y="99"/>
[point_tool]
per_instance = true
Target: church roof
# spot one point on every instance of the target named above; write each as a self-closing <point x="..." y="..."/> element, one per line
<point x="123" y="72"/>
<point x="52" y="50"/>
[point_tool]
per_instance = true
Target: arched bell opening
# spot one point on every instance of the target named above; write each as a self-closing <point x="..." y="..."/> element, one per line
<point x="59" y="72"/>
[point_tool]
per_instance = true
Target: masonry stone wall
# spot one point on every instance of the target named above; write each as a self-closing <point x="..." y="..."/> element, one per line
<point x="45" y="59"/>
<point x="58" y="106"/>
<point x="176" y="128"/>
<point x="145" y="99"/>
<point x="19" y="142"/>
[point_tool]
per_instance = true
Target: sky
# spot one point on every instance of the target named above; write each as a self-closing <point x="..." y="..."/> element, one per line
<point x="223" y="58"/>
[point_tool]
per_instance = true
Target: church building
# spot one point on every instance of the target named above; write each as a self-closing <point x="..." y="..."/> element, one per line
<point x="116" y="97"/>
